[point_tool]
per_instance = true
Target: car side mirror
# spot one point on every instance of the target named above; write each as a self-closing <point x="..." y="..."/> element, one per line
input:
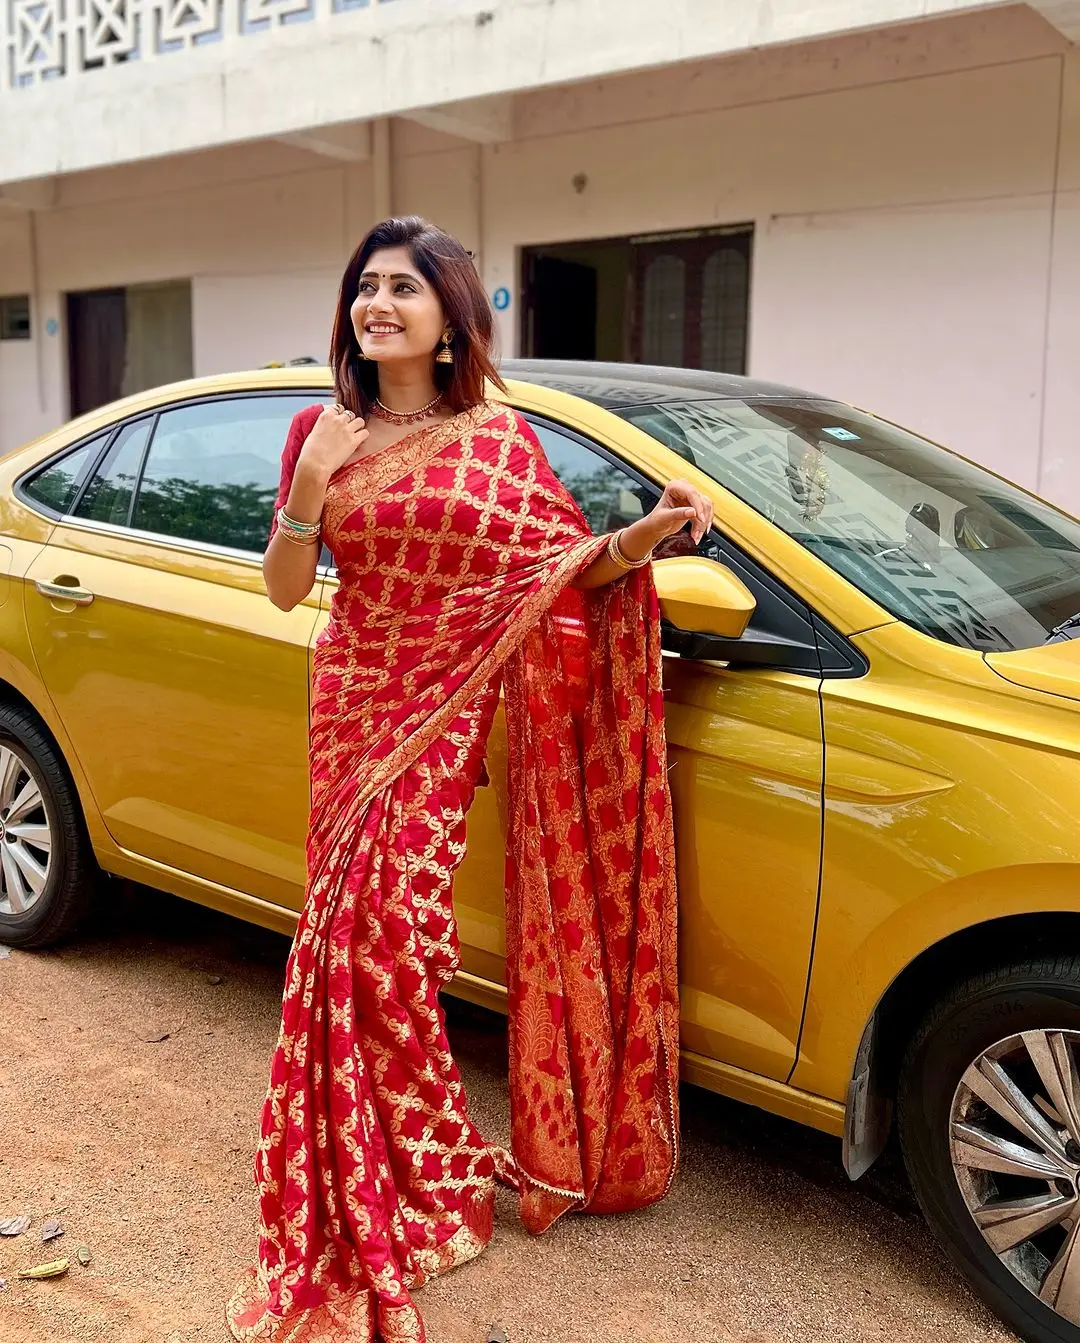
<point x="702" y="597"/>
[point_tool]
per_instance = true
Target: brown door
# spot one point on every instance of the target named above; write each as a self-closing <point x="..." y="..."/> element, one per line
<point x="126" y="340"/>
<point x="97" y="343"/>
<point x="690" y="301"/>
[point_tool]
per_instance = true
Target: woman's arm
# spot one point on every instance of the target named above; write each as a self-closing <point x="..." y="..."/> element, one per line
<point x="289" y="568"/>
<point x="307" y="463"/>
<point x="679" y="504"/>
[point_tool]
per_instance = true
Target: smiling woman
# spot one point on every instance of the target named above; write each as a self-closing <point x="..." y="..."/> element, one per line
<point x="461" y="560"/>
<point x="409" y="294"/>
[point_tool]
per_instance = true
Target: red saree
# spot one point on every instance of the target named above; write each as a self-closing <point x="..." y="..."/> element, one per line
<point x="455" y="548"/>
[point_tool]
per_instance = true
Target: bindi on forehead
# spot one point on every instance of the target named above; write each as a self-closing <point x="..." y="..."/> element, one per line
<point x="386" y="275"/>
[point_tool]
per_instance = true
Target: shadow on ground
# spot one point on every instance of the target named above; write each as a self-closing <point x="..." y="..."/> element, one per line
<point x="138" y="918"/>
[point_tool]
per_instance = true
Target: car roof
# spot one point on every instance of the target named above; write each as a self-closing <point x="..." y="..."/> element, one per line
<point x="609" y="386"/>
<point x="616" y="386"/>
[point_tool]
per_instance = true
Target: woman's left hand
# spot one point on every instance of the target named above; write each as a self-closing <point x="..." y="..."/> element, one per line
<point x="679" y="504"/>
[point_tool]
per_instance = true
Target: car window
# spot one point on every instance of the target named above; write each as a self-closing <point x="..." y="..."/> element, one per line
<point x="607" y="494"/>
<point x="213" y="469"/>
<point x="57" y="486"/>
<point x="940" y="543"/>
<point x="612" y="496"/>
<point x="108" y="496"/>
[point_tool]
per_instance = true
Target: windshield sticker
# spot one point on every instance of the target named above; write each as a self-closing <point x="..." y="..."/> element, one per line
<point x="844" y="435"/>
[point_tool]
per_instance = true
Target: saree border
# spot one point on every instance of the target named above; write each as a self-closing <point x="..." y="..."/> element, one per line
<point x="352" y="488"/>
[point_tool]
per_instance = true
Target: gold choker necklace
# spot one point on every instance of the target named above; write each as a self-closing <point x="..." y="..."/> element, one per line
<point x="405" y="416"/>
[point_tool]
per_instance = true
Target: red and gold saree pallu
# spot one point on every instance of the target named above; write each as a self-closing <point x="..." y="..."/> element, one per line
<point x="455" y="550"/>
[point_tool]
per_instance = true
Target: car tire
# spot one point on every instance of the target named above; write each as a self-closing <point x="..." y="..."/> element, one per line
<point x="48" y="876"/>
<point x="1001" y="1035"/>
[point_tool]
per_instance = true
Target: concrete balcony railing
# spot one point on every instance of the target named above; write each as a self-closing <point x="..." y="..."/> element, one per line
<point x="86" y="83"/>
<point x="49" y="40"/>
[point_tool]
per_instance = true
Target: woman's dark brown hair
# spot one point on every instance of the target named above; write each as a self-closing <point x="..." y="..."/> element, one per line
<point x="448" y="268"/>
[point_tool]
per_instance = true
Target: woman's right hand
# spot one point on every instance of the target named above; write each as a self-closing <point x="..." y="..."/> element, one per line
<point x="336" y="436"/>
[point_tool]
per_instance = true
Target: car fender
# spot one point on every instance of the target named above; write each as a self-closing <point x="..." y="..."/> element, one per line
<point x="848" y="1012"/>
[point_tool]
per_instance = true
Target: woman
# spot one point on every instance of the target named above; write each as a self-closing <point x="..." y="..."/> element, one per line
<point x="456" y="550"/>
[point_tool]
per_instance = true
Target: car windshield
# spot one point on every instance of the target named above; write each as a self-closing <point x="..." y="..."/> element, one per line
<point x="938" y="542"/>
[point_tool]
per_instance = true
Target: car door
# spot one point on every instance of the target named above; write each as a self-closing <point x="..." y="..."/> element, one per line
<point x="184" y="690"/>
<point x="746" y="775"/>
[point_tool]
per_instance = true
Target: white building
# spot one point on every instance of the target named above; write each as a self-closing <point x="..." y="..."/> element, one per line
<point x="877" y="199"/>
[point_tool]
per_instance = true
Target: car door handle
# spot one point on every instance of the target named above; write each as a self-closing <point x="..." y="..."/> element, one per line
<point x="65" y="592"/>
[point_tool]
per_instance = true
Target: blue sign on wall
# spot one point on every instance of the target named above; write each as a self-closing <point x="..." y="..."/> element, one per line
<point x="501" y="299"/>
<point x="52" y="326"/>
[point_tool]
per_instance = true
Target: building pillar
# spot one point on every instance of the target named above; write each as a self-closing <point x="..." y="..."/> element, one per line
<point x="383" y="169"/>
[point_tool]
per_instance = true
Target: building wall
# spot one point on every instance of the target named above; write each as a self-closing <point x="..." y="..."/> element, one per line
<point x="260" y="230"/>
<point x="89" y="93"/>
<point x="915" y="197"/>
<point x="27" y="404"/>
<point x="902" y="235"/>
<point x="1060" y="445"/>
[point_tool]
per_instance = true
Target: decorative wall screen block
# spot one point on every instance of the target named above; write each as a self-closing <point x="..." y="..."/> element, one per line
<point x="276" y="11"/>
<point x="42" y="40"/>
<point x="35" y="39"/>
<point x="108" y="31"/>
<point x="185" y="20"/>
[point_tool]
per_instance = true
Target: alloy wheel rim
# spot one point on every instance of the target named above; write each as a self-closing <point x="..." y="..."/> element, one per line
<point x="26" y="838"/>
<point x="1015" y="1147"/>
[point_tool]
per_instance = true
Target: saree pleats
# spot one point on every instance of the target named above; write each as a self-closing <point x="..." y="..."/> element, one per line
<point x="455" y="552"/>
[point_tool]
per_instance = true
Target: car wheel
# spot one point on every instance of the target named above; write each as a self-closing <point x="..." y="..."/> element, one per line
<point x="989" y="1115"/>
<point x="47" y="871"/>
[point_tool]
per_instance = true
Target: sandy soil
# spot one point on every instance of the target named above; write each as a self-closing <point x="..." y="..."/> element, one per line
<point x="142" y="1148"/>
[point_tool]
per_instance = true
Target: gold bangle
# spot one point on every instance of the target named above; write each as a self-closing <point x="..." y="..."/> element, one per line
<point x="298" y="540"/>
<point x="290" y="527"/>
<point x="617" y="557"/>
<point x="614" y="554"/>
<point x="294" y="526"/>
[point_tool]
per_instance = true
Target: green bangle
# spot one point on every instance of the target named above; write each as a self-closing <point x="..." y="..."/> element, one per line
<point x="294" y="528"/>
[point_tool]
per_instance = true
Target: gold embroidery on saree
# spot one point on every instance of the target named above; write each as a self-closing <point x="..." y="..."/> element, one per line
<point x="451" y="553"/>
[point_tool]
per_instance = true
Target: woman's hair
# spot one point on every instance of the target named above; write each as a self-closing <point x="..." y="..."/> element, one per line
<point x="448" y="268"/>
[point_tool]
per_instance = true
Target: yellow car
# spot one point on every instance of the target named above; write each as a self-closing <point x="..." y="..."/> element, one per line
<point x="873" y="692"/>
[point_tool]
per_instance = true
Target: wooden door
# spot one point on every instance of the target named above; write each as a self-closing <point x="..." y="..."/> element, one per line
<point x="97" y="345"/>
<point x="691" y="301"/>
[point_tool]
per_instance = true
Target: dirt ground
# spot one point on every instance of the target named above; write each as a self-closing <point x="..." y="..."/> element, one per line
<point x="142" y="1148"/>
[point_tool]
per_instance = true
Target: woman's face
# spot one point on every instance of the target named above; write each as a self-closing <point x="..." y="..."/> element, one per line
<point x="396" y="314"/>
